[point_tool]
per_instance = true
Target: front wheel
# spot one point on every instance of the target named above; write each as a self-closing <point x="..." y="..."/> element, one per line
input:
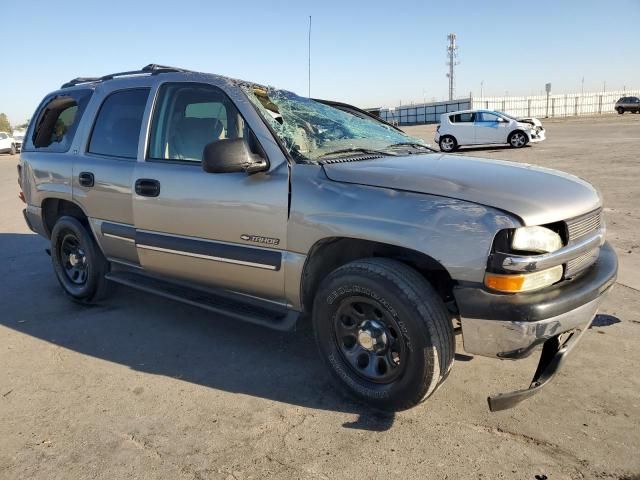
<point x="384" y="333"/>
<point x="620" y="110"/>
<point x="78" y="263"/>
<point x="518" y="139"/>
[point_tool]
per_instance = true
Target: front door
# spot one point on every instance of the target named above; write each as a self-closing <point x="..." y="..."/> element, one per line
<point x="490" y="128"/>
<point x="218" y="229"/>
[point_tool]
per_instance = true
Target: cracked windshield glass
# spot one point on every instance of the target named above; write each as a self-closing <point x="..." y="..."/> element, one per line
<point x="311" y="130"/>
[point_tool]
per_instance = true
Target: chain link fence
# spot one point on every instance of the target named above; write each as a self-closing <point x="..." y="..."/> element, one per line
<point x="543" y="106"/>
<point x="564" y="105"/>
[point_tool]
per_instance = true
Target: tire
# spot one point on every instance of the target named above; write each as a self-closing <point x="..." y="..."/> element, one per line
<point x="78" y="263"/>
<point x="620" y="110"/>
<point x="12" y="151"/>
<point x="448" y="144"/>
<point x="518" y="139"/>
<point x="385" y="312"/>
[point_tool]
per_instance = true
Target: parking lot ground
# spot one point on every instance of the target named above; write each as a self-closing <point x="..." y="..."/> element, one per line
<point x="142" y="387"/>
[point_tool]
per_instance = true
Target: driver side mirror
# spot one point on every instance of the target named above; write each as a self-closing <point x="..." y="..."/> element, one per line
<point x="501" y="120"/>
<point x="231" y="155"/>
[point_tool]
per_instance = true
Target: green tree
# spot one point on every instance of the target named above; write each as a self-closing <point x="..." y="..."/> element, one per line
<point x="5" y="126"/>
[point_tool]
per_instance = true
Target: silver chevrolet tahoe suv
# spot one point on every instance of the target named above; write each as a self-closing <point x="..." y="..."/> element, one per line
<point x="268" y="207"/>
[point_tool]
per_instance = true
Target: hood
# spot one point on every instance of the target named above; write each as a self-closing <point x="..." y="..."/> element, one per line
<point x="529" y="120"/>
<point x="534" y="194"/>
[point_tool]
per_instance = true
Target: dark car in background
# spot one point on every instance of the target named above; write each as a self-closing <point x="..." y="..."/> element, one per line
<point x="628" y="104"/>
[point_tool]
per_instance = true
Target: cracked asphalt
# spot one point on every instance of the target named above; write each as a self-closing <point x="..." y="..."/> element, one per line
<point x="145" y="388"/>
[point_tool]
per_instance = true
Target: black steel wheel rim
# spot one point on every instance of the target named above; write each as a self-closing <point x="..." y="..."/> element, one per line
<point x="73" y="259"/>
<point x="370" y="340"/>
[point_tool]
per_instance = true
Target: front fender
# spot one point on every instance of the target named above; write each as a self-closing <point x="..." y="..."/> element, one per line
<point x="458" y="234"/>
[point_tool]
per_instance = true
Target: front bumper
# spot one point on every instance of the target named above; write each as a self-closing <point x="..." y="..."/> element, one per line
<point x="511" y="326"/>
<point x="536" y="135"/>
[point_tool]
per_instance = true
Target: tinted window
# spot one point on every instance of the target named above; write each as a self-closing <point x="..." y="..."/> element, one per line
<point x="463" y="117"/>
<point x="58" y="121"/>
<point x="188" y="117"/>
<point x="3" y="136"/>
<point x="117" y="126"/>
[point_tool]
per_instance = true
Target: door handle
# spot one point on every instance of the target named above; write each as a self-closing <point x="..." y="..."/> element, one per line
<point x="86" y="179"/>
<point x="147" y="187"/>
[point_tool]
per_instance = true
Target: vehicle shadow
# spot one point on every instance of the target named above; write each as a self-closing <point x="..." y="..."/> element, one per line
<point x="488" y="148"/>
<point x="155" y="335"/>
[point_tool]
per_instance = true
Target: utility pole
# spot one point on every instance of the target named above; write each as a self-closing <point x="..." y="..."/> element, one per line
<point x="582" y="88"/>
<point x="481" y="88"/>
<point x="452" y="54"/>
<point x="309" y="56"/>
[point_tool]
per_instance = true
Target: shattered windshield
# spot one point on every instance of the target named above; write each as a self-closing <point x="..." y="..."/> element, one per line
<point x="310" y="130"/>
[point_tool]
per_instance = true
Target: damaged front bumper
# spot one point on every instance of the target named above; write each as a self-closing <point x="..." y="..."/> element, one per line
<point x="511" y="326"/>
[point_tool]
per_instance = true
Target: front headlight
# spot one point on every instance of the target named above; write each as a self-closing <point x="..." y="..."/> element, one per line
<point x="536" y="239"/>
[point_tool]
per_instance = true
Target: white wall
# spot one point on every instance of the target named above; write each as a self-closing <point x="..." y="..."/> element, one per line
<point x="564" y="105"/>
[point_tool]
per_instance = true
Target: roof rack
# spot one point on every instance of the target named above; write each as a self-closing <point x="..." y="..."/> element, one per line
<point x="151" y="69"/>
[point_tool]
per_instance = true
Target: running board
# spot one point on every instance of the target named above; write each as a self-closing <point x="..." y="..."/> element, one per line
<point x="225" y="303"/>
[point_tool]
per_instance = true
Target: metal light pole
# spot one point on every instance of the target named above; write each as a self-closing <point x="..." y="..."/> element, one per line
<point x="309" y="56"/>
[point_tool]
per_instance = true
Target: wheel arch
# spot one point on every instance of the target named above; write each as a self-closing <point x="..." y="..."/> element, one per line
<point x="518" y="130"/>
<point x="330" y="253"/>
<point x="54" y="208"/>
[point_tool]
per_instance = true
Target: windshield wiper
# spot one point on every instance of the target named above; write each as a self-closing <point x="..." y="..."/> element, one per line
<point x="411" y="144"/>
<point x="357" y="150"/>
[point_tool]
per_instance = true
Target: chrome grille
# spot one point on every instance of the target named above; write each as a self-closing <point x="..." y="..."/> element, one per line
<point x="584" y="225"/>
<point x="578" y="264"/>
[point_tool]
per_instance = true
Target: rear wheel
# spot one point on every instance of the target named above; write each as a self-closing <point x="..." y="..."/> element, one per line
<point x="448" y="144"/>
<point x="518" y="139"/>
<point x="384" y="333"/>
<point x="79" y="265"/>
<point x="620" y="110"/>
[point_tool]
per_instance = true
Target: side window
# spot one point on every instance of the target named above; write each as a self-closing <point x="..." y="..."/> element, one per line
<point x="3" y="136"/>
<point x="487" y="117"/>
<point x="58" y="120"/>
<point x="463" y="118"/>
<point x="117" y="127"/>
<point x="188" y="117"/>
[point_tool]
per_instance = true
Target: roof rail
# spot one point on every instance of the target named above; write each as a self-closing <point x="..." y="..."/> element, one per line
<point x="151" y="69"/>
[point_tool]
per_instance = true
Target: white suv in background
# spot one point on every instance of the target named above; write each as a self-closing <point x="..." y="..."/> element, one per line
<point x="7" y="144"/>
<point x="482" y="127"/>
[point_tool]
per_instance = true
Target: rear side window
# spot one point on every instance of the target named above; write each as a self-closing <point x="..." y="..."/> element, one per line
<point x="462" y="118"/>
<point x="117" y="127"/>
<point x="57" y="121"/>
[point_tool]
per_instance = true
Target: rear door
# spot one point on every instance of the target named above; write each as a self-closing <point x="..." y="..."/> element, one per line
<point x="103" y="170"/>
<point x="464" y="128"/>
<point x="218" y="229"/>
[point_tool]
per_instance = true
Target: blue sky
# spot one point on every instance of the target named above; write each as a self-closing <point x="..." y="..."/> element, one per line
<point x="369" y="53"/>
